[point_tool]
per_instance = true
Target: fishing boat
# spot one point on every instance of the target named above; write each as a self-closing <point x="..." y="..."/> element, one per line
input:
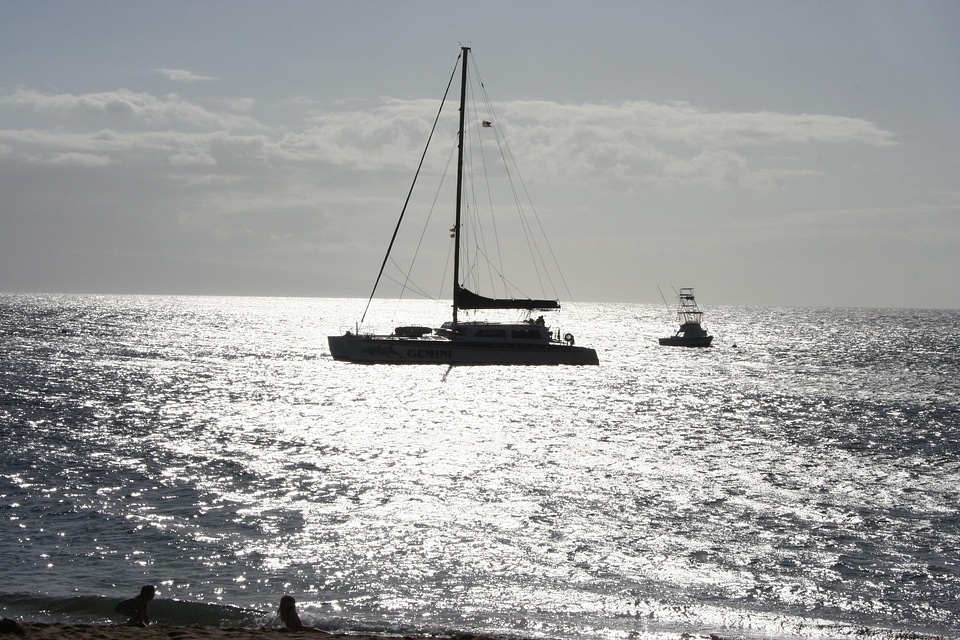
<point x="523" y="341"/>
<point x="691" y="332"/>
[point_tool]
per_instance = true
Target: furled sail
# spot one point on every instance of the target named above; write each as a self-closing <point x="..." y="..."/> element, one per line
<point x="466" y="299"/>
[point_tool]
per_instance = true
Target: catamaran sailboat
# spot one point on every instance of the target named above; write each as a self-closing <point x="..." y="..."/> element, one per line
<point x="525" y="341"/>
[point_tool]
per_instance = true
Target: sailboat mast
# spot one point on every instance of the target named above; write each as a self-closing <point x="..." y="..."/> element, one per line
<point x="456" y="226"/>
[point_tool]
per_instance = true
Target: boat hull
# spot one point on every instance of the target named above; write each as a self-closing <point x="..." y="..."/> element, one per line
<point x="686" y="341"/>
<point x="372" y="349"/>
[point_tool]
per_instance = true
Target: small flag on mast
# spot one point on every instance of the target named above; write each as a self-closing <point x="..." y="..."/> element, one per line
<point x="487" y="123"/>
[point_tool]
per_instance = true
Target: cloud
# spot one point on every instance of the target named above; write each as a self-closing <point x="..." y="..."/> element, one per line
<point x="146" y="149"/>
<point x="187" y="157"/>
<point x="122" y="104"/>
<point x="684" y="123"/>
<point x="81" y="160"/>
<point x="616" y="146"/>
<point x="386" y="137"/>
<point x="181" y="75"/>
<point x="670" y="144"/>
<point x="235" y="103"/>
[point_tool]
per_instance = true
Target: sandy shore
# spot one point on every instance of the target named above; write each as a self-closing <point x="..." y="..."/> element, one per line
<point x="61" y="631"/>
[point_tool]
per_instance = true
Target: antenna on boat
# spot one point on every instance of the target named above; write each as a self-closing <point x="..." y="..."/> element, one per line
<point x="664" y="298"/>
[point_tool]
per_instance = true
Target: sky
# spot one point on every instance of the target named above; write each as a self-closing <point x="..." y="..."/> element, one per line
<point x="767" y="153"/>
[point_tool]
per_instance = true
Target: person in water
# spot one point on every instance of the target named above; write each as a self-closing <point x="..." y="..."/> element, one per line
<point x="289" y="617"/>
<point x="136" y="607"/>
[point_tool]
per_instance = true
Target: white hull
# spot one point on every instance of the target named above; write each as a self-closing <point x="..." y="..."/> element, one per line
<point x="372" y="349"/>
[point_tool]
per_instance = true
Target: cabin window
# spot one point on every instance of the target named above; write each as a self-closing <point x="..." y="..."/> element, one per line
<point x="491" y="333"/>
<point x="527" y="334"/>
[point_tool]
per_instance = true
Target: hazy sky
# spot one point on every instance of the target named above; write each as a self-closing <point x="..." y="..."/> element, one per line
<point x="766" y="153"/>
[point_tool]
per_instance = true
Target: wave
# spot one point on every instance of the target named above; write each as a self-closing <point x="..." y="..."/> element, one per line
<point x="99" y="610"/>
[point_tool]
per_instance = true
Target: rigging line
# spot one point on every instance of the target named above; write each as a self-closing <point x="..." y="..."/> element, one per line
<point x="470" y="222"/>
<point x="406" y="284"/>
<point x="477" y="225"/>
<point x="426" y="224"/>
<point x="538" y="263"/>
<point x="478" y="130"/>
<point x="497" y="131"/>
<point x="511" y="290"/>
<point x="543" y="234"/>
<point x="509" y="160"/>
<point x="414" y="287"/>
<point x="410" y="192"/>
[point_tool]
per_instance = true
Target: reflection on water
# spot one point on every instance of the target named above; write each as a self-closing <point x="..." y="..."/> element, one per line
<point x="794" y="478"/>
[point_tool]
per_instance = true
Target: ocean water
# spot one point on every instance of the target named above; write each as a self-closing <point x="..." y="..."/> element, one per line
<point x="799" y="479"/>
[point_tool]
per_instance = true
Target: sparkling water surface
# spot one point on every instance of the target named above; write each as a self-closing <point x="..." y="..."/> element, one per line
<point x="797" y="479"/>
